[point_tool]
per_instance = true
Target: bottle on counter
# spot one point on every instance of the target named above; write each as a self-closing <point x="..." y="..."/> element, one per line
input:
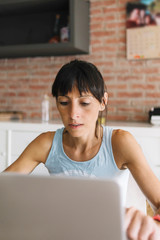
<point x="45" y="108"/>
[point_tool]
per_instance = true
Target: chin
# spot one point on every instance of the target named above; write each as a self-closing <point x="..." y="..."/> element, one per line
<point x="75" y="132"/>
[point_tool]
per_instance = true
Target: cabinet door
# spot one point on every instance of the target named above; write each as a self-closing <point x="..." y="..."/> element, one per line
<point x="19" y="141"/>
<point x="3" y="150"/>
<point x="151" y="149"/>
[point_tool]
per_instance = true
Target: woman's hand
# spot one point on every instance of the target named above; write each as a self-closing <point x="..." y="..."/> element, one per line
<point x="138" y="226"/>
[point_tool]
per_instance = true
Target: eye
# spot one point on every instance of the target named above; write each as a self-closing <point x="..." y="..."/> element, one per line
<point x="85" y="103"/>
<point x="63" y="103"/>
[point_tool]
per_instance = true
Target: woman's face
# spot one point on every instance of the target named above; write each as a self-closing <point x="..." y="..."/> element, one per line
<point x="79" y="113"/>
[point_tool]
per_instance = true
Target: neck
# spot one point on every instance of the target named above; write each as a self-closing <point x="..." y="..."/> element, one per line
<point x="85" y="142"/>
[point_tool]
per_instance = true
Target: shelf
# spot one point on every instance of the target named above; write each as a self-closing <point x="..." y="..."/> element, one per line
<point x="57" y="49"/>
<point x="17" y="17"/>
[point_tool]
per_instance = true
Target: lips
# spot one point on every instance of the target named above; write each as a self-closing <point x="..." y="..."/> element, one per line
<point x="75" y="125"/>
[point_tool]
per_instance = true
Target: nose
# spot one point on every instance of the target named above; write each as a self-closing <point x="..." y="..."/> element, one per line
<point x="74" y="111"/>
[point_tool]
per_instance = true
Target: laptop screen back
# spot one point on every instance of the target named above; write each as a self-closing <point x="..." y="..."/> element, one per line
<point x="47" y="207"/>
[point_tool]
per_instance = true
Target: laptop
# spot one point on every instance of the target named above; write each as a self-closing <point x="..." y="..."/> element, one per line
<point x="36" y="207"/>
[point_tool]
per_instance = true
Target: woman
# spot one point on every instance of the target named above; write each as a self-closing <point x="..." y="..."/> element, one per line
<point x="85" y="148"/>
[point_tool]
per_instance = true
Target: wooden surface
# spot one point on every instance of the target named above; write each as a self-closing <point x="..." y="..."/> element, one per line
<point x="149" y="210"/>
<point x="7" y="116"/>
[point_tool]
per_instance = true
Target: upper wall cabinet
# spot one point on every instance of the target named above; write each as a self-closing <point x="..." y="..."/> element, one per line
<point x="31" y="28"/>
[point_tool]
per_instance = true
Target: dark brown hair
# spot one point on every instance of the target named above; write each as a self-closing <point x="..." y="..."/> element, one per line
<point x="84" y="75"/>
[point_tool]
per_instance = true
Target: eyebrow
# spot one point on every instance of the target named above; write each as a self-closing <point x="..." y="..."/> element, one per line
<point x="81" y="96"/>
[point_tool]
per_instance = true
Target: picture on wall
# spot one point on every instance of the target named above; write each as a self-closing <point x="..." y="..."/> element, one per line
<point x="143" y="29"/>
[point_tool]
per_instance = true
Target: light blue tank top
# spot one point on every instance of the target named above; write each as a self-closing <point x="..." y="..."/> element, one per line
<point x="102" y="165"/>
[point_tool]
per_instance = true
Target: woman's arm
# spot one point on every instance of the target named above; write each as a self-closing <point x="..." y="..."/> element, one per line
<point x="35" y="153"/>
<point x="128" y="154"/>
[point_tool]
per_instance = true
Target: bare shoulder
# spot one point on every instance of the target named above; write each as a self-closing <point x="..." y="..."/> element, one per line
<point x="122" y="137"/>
<point x="35" y="153"/>
<point x="45" y="138"/>
<point x="124" y="147"/>
<point x="39" y="148"/>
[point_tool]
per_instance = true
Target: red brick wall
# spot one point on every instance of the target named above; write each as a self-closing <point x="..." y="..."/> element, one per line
<point x="133" y="86"/>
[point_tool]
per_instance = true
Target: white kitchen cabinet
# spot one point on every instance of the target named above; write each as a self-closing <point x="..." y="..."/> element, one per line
<point x="15" y="136"/>
<point x="19" y="141"/>
<point x="151" y="148"/>
<point x="3" y="150"/>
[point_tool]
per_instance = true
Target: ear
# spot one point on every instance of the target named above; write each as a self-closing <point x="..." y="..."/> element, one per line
<point x="104" y="101"/>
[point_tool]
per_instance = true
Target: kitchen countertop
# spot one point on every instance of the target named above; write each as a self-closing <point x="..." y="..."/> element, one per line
<point x="30" y="124"/>
<point x="58" y="122"/>
<point x="37" y="125"/>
